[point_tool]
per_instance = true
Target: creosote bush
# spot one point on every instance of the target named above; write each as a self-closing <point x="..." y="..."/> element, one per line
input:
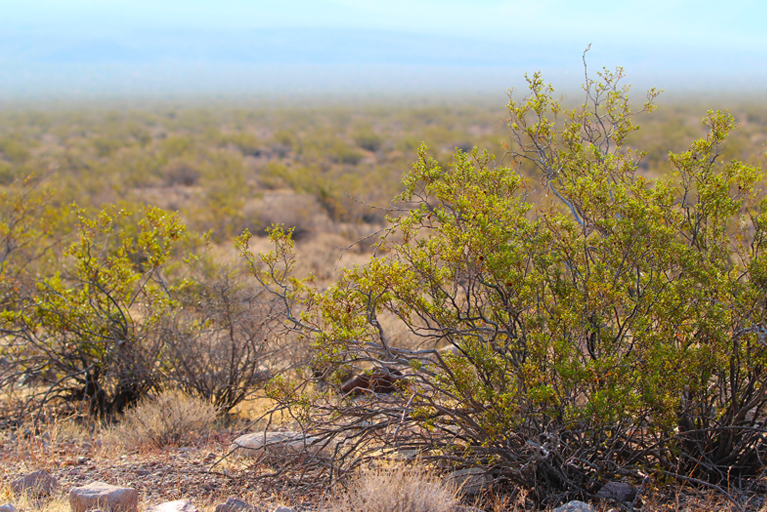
<point x="92" y="327"/>
<point x="601" y="324"/>
<point x="225" y="341"/>
<point x="132" y="307"/>
<point x="172" y="418"/>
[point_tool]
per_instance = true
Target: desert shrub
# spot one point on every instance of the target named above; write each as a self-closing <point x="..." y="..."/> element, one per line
<point x="127" y="309"/>
<point x="138" y="167"/>
<point x="106" y="146"/>
<point x="302" y="213"/>
<point x="613" y="326"/>
<point x="180" y="172"/>
<point x="176" y="146"/>
<point x="14" y="149"/>
<point x="247" y="143"/>
<point x="30" y="234"/>
<point x="340" y="152"/>
<point x="219" y="209"/>
<point x="172" y="418"/>
<point x="368" y="140"/>
<point x="94" y="324"/>
<point x="7" y="174"/>
<point x="225" y="341"/>
<point x="396" y="489"/>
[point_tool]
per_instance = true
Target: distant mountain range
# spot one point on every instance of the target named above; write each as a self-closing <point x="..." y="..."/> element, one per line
<point x="275" y="46"/>
<point x="212" y="61"/>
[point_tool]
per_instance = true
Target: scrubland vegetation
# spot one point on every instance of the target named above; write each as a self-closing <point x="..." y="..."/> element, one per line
<point x="543" y="291"/>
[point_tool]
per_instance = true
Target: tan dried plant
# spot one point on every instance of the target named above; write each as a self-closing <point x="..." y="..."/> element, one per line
<point x="170" y="419"/>
<point x="396" y="489"/>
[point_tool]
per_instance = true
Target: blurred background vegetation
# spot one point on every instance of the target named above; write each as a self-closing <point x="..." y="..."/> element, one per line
<point x="320" y="169"/>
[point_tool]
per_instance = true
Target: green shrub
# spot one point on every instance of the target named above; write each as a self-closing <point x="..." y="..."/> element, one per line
<point x="339" y="152"/>
<point x="368" y="140"/>
<point x="610" y="325"/>
<point x="176" y="146"/>
<point x="7" y="174"/>
<point x="15" y="150"/>
<point x="247" y="143"/>
<point x="94" y="325"/>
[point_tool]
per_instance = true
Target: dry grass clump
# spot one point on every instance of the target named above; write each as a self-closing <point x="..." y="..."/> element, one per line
<point x="29" y="502"/>
<point x="396" y="489"/>
<point x="170" y="419"/>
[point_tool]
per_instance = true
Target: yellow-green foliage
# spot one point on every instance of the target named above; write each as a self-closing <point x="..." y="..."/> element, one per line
<point x="611" y="318"/>
<point x="95" y="323"/>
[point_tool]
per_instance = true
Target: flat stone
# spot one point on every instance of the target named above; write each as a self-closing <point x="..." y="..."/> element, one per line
<point x="8" y="507"/>
<point x="274" y="446"/>
<point x="100" y="495"/>
<point x="575" y="506"/>
<point x="284" y="509"/>
<point x="471" y="480"/>
<point x="38" y="483"/>
<point x="173" y="506"/>
<point x="618" y="491"/>
<point x="235" y="505"/>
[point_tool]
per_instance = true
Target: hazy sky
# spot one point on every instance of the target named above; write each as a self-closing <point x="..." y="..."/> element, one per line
<point x="703" y="23"/>
<point x="162" y="45"/>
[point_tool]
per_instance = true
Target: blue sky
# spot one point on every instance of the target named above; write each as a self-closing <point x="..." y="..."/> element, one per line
<point x="161" y="46"/>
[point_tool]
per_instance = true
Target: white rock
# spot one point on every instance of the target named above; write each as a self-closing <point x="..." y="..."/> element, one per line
<point x="575" y="506"/>
<point x="37" y="483"/>
<point x="173" y="506"/>
<point x="471" y="480"/>
<point x="8" y="507"/>
<point x="273" y="446"/>
<point x="284" y="509"/>
<point x="100" y="495"/>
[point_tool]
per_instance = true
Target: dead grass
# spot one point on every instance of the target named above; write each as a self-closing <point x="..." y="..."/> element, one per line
<point x="175" y="473"/>
<point x="24" y="502"/>
<point x="170" y="419"/>
<point x="396" y="489"/>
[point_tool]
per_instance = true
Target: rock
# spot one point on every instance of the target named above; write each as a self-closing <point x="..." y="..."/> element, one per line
<point x="235" y="505"/>
<point x="104" y="496"/>
<point x="39" y="483"/>
<point x="471" y="480"/>
<point x="284" y="509"/>
<point x="273" y="446"/>
<point x="383" y="380"/>
<point x="575" y="506"/>
<point x="618" y="491"/>
<point x="173" y="506"/>
<point x="462" y="508"/>
<point x="8" y="507"/>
